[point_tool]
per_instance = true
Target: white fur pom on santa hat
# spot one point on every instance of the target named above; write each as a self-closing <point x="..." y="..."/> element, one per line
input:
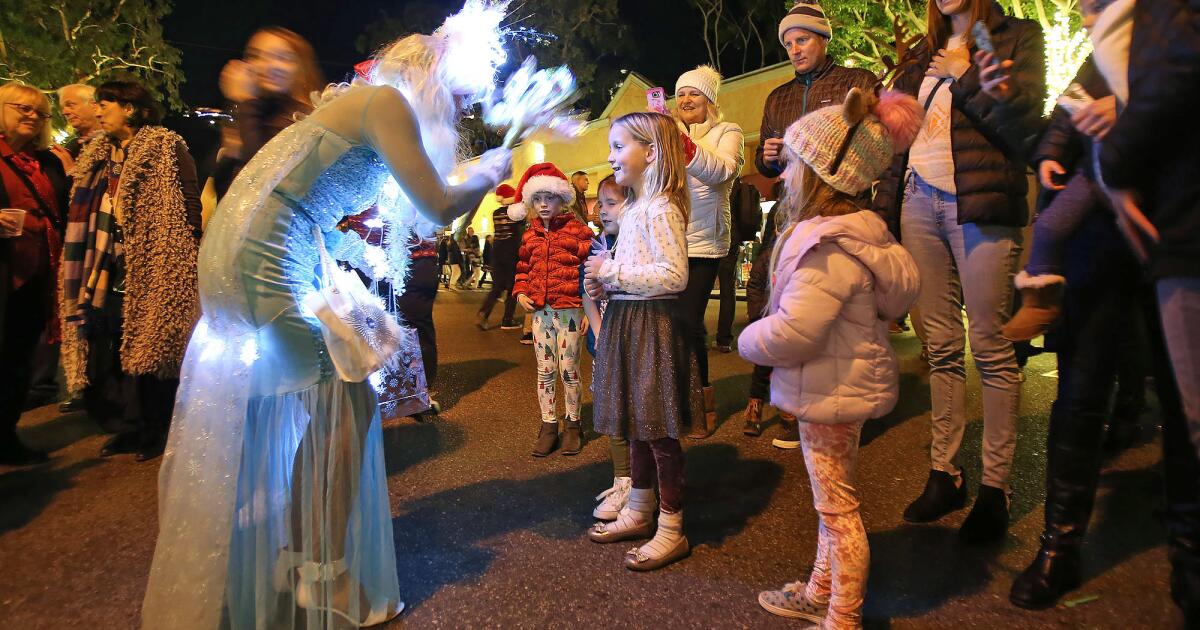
<point x="544" y="177"/>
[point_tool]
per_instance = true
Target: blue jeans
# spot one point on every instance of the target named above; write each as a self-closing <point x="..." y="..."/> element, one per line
<point x="969" y="265"/>
<point x="1057" y="222"/>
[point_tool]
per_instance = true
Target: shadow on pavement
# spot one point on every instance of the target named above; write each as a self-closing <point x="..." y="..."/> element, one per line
<point x="1127" y="519"/>
<point x="60" y="431"/>
<point x="731" y="394"/>
<point x="725" y="491"/>
<point x="25" y="492"/>
<point x="917" y="569"/>
<point x="455" y="380"/>
<point x="913" y="402"/>
<point x="444" y="538"/>
<point x="407" y="443"/>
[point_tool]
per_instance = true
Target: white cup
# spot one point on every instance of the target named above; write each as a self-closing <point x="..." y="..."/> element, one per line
<point x="10" y="213"/>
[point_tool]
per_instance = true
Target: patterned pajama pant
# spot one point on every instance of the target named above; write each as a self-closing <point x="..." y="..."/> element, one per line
<point x="557" y="338"/>
<point x="839" y="574"/>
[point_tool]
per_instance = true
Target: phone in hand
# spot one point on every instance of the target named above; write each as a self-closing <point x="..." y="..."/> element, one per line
<point x="656" y="100"/>
<point x="983" y="39"/>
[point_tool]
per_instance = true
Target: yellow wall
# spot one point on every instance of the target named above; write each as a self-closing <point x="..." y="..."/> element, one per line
<point x="741" y="101"/>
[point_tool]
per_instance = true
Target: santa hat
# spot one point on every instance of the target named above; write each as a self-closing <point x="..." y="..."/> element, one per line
<point x="808" y="15"/>
<point x="544" y="177"/>
<point x="849" y="145"/>
<point x="703" y="78"/>
<point x="506" y="194"/>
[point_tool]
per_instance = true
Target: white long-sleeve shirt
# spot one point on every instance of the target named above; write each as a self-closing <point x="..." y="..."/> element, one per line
<point x="650" y="260"/>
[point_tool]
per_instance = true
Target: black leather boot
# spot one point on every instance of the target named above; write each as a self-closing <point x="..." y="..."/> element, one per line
<point x="1055" y="571"/>
<point x="940" y="498"/>
<point x="988" y="519"/>
<point x="1073" y="457"/>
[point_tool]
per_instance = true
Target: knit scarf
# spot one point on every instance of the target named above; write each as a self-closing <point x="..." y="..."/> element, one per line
<point x="90" y="247"/>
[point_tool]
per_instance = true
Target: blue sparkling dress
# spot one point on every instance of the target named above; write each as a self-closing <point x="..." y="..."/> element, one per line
<point x="274" y="464"/>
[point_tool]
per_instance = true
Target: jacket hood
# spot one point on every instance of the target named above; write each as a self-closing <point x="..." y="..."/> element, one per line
<point x="865" y="236"/>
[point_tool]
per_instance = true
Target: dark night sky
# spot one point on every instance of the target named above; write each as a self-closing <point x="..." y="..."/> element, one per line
<point x="210" y="32"/>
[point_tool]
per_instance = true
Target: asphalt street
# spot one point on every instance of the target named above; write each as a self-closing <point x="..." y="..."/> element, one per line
<point x="489" y="537"/>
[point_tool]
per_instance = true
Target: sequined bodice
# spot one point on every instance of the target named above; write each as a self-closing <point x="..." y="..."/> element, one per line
<point x="327" y="191"/>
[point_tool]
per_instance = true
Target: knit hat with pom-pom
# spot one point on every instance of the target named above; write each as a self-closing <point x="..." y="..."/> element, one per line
<point x="544" y="177"/>
<point x="703" y="78"/>
<point x="850" y="145"/>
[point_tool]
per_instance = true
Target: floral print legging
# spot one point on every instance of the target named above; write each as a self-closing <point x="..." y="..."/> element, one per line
<point x="839" y="574"/>
<point x="557" y="338"/>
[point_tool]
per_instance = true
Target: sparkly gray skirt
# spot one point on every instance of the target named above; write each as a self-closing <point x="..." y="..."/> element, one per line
<point x="645" y="382"/>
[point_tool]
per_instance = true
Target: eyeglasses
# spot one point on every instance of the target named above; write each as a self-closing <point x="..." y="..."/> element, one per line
<point x="26" y="110"/>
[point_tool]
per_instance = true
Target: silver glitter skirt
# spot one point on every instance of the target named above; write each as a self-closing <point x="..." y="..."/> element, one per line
<point x="646" y="385"/>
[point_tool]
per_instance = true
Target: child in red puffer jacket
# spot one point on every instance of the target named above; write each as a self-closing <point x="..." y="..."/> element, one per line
<point x="547" y="284"/>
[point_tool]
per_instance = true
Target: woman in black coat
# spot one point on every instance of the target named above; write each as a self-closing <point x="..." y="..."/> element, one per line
<point x="958" y="198"/>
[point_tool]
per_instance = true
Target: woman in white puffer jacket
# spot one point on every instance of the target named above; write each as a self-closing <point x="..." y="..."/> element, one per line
<point x="719" y="155"/>
<point x="837" y="279"/>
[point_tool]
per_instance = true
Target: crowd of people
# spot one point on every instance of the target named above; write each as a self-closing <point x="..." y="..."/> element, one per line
<point x="901" y="198"/>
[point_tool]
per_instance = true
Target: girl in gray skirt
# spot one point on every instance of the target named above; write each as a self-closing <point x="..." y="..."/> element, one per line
<point x="646" y="386"/>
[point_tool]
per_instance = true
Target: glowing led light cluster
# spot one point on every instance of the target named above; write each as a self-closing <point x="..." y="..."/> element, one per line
<point x="535" y="99"/>
<point x="1066" y="48"/>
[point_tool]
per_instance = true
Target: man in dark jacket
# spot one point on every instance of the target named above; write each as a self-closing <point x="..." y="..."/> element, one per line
<point x="505" y="245"/>
<point x="804" y="32"/>
<point x="1150" y="159"/>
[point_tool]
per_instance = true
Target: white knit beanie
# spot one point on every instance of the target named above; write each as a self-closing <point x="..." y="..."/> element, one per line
<point x="808" y="15"/>
<point x="703" y="78"/>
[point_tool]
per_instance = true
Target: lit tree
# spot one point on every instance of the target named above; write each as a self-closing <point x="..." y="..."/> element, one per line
<point x="51" y="43"/>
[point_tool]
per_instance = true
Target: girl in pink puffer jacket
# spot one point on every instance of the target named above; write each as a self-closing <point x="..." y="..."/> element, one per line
<point x="838" y="278"/>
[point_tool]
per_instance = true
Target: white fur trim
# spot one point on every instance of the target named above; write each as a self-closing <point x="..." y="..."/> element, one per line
<point x="517" y="212"/>
<point x="1040" y="281"/>
<point x="550" y="184"/>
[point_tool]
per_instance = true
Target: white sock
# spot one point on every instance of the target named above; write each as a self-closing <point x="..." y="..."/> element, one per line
<point x="637" y="511"/>
<point x="670" y="532"/>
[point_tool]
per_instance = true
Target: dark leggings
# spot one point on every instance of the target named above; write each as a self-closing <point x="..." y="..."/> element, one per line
<point x="702" y="275"/>
<point x="663" y="456"/>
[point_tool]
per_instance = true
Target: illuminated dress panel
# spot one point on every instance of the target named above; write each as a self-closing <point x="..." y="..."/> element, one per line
<point x="262" y="420"/>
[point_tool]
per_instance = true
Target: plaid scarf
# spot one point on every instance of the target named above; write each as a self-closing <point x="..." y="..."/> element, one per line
<point x="90" y="247"/>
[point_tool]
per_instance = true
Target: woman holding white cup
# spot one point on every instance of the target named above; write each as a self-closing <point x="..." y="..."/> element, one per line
<point x="33" y="197"/>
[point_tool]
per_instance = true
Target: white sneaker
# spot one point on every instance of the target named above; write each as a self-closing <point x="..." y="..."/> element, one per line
<point x="614" y="499"/>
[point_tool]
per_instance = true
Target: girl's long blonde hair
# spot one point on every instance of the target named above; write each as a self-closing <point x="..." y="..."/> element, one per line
<point x="667" y="175"/>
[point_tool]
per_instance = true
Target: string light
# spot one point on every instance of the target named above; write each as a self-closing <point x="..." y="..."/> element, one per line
<point x="1066" y="49"/>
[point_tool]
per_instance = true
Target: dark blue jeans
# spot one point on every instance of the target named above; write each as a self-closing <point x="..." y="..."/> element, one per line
<point x="1057" y="222"/>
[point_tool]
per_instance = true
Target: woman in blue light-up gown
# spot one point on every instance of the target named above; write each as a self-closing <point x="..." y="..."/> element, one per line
<point x="273" y="499"/>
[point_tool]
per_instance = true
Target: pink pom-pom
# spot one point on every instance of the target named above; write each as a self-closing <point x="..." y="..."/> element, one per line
<point x="902" y="116"/>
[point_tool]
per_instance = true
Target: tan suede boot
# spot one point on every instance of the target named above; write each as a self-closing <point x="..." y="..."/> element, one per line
<point x="702" y="429"/>
<point x="1041" y="306"/>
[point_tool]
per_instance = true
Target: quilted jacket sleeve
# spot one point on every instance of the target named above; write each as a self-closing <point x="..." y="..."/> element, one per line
<point x="1016" y="123"/>
<point x="521" y="280"/>
<point x="722" y="163"/>
<point x="811" y="299"/>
